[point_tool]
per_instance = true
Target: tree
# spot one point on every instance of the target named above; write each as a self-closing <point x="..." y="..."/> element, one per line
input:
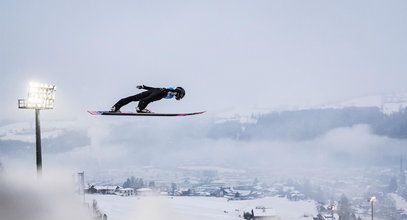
<point x="392" y="187"/>
<point x="135" y="183"/>
<point x="173" y="188"/>
<point x="237" y="195"/>
<point x="127" y="184"/>
<point x="151" y="184"/>
<point x="139" y="183"/>
<point x="344" y="208"/>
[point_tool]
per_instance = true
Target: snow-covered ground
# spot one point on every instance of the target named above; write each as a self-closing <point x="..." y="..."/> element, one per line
<point x="400" y="202"/>
<point x="196" y="208"/>
<point x="388" y="103"/>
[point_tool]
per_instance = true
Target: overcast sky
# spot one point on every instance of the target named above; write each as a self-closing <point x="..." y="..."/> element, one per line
<point x="225" y="54"/>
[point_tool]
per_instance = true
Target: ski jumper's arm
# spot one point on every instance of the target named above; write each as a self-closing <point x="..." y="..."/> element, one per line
<point x="149" y="88"/>
<point x="145" y="87"/>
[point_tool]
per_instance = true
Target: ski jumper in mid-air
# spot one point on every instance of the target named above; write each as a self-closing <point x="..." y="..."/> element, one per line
<point x="150" y="95"/>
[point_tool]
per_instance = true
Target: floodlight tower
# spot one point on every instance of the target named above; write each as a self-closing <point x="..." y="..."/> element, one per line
<point x="40" y="97"/>
<point x="372" y="200"/>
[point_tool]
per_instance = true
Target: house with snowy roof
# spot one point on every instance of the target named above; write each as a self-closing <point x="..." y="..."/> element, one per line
<point x="103" y="189"/>
<point x="125" y="192"/>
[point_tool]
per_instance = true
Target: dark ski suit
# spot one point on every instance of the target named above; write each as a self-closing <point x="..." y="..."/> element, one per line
<point x="144" y="98"/>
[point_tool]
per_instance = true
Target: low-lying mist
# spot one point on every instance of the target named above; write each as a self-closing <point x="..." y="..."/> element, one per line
<point x="120" y="146"/>
<point x="124" y="143"/>
<point x="23" y="196"/>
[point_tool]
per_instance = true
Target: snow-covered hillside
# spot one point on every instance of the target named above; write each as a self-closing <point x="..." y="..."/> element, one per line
<point x="197" y="208"/>
<point x="388" y="104"/>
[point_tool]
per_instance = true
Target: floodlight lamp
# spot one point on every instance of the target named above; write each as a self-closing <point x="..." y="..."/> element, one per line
<point x="332" y="207"/>
<point x="372" y="199"/>
<point x="40" y="96"/>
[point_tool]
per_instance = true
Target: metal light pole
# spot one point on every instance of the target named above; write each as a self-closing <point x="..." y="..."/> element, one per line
<point x="40" y="96"/>
<point x="38" y="142"/>
<point x="372" y="200"/>
<point x="372" y="210"/>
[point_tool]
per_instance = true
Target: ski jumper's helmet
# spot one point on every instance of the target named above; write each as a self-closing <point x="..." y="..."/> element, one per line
<point x="180" y="93"/>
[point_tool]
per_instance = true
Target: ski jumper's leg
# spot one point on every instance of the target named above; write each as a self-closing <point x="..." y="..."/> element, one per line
<point x="124" y="101"/>
<point x="155" y="95"/>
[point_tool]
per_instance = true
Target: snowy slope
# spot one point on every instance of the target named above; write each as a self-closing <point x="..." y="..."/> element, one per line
<point x="388" y="104"/>
<point x="243" y="115"/>
<point x="366" y="101"/>
<point x="196" y="208"/>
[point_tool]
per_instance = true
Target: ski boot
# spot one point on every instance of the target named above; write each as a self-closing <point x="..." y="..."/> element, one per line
<point x="138" y="110"/>
<point x="113" y="109"/>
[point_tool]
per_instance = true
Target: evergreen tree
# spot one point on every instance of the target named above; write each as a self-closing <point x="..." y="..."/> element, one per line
<point x="140" y="183"/>
<point x="127" y="184"/>
<point x="344" y="208"/>
<point x="135" y="183"/>
<point x="173" y="188"/>
<point x="392" y="185"/>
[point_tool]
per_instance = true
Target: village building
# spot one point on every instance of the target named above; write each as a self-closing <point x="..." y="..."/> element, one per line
<point x="110" y="190"/>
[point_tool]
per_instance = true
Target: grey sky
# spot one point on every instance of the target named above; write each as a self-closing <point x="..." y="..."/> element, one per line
<point x="224" y="53"/>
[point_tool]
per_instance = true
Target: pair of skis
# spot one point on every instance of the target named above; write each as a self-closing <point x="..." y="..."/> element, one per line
<point x="127" y="113"/>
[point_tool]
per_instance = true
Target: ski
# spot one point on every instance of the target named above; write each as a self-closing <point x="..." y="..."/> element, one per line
<point x="127" y="113"/>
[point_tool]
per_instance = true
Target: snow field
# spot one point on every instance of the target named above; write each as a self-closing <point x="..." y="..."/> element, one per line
<point x="196" y="208"/>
